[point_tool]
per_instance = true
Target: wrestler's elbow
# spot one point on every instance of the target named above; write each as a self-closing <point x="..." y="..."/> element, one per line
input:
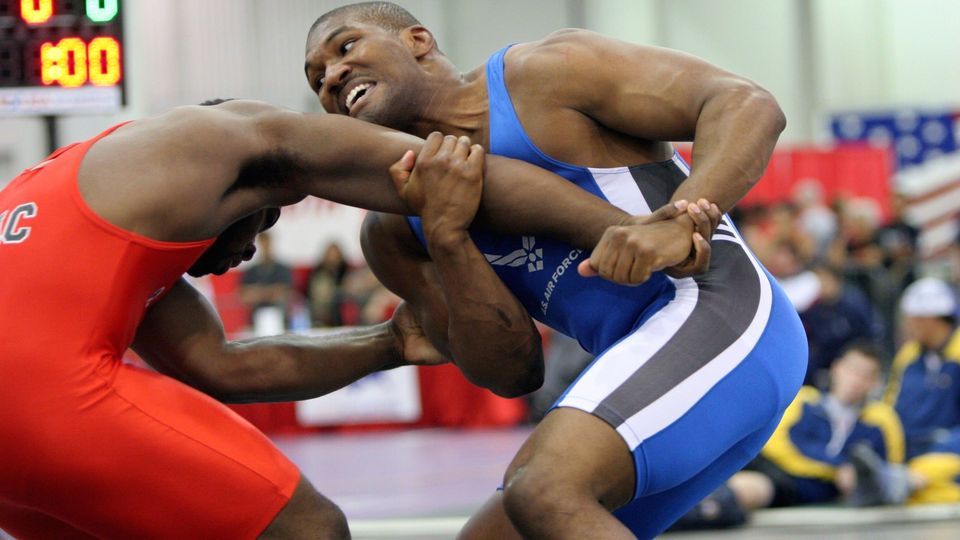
<point x="760" y="105"/>
<point x="514" y="375"/>
<point x="530" y="381"/>
<point x="767" y="106"/>
<point x="515" y="386"/>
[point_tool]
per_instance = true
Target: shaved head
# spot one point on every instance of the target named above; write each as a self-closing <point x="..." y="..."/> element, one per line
<point x="386" y="15"/>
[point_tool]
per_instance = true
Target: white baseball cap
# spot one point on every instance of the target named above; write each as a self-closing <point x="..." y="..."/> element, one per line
<point x="928" y="297"/>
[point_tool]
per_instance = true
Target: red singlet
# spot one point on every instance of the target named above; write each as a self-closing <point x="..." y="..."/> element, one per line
<point x="89" y="446"/>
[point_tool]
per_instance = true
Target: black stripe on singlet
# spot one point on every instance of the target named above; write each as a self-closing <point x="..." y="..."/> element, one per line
<point x="727" y="303"/>
<point x="729" y="295"/>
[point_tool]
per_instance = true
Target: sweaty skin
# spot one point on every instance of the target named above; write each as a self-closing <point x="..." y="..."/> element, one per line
<point x="223" y="170"/>
<point x="583" y="99"/>
<point x="618" y="102"/>
<point x="466" y="311"/>
<point x="402" y="81"/>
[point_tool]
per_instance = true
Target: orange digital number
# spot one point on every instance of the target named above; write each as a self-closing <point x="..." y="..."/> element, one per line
<point x="64" y="63"/>
<point x="36" y="11"/>
<point x="104" y="55"/>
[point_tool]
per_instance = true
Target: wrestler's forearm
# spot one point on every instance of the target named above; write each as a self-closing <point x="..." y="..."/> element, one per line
<point x="491" y="337"/>
<point x="182" y="336"/>
<point x="292" y="367"/>
<point x="336" y="158"/>
<point x="519" y="198"/>
<point x="344" y="160"/>
<point x="736" y="133"/>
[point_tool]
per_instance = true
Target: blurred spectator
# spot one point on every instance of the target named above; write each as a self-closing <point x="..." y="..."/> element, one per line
<point x="750" y="220"/>
<point x="801" y="286"/>
<point x="898" y="243"/>
<point x="815" y="219"/>
<point x="933" y="477"/>
<point x="862" y="259"/>
<point x="924" y="384"/>
<point x="860" y="221"/>
<point x="930" y="478"/>
<point x="781" y="229"/>
<point x="323" y="287"/>
<point x="784" y="260"/>
<point x="359" y="285"/>
<point x="808" y="458"/>
<point x="266" y="288"/>
<point x="839" y="316"/>
<point x="953" y="258"/>
<point x="379" y="306"/>
<point x="863" y="265"/>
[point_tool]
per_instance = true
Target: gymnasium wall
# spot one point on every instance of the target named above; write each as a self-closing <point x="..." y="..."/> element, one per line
<point x="816" y="56"/>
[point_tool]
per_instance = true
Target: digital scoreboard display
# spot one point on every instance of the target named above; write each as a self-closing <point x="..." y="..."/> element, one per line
<point x="61" y="57"/>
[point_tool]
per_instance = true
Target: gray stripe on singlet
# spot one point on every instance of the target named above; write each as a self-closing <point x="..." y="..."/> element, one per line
<point x="729" y="295"/>
<point x="727" y="303"/>
<point x="657" y="181"/>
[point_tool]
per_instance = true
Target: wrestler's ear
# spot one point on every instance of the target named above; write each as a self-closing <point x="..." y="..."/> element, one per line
<point x="419" y="40"/>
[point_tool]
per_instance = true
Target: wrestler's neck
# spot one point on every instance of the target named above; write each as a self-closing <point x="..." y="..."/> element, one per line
<point x="455" y="103"/>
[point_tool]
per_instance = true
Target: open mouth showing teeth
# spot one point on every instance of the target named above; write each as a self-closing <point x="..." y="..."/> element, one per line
<point x="356" y="93"/>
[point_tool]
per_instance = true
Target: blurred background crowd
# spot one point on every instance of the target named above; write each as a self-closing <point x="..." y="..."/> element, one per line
<point x="858" y="216"/>
<point x="844" y="266"/>
<point x="878" y="421"/>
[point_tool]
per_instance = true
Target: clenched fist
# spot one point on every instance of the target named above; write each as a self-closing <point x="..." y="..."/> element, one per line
<point x="443" y="184"/>
<point x="673" y="239"/>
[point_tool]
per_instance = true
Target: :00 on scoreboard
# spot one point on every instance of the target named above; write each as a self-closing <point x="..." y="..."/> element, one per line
<point x="65" y="43"/>
<point x="60" y="45"/>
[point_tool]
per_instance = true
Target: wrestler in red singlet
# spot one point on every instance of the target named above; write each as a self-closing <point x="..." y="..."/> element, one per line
<point x="89" y="446"/>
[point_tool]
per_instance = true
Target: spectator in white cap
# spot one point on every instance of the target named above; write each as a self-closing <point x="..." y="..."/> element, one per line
<point x="924" y="385"/>
<point x="929" y="298"/>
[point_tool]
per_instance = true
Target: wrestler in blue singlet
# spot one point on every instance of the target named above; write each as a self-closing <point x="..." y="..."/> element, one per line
<point x="693" y="373"/>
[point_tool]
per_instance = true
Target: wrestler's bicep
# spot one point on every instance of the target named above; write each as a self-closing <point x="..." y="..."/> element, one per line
<point x="650" y="92"/>
<point x="403" y="266"/>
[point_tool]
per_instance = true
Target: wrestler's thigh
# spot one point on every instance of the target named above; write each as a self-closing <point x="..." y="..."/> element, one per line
<point x="574" y="450"/>
<point x="28" y="523"/>
<point x="140" y="455"/>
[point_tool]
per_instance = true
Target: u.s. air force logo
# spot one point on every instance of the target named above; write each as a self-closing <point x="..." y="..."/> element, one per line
<point x="529" y="254"/>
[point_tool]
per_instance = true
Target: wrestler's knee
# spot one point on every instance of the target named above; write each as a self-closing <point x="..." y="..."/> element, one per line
<point x="534" y="491"/>
<point x="308" y="514"/>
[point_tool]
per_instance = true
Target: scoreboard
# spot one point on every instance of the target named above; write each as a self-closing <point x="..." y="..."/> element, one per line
<point x="61" y="57"/>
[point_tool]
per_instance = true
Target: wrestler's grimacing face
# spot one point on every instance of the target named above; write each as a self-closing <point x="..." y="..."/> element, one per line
<point x="363" y="71"/>
<point x="234" y="245"/>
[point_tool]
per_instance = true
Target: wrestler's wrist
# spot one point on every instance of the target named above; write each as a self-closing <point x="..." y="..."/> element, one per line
<point x="685" y="224"/>
<point x="446" y="236"/>
<point x="685" y="229"/>
<point x="394" y="356"/>
<point x="630" y="221"/>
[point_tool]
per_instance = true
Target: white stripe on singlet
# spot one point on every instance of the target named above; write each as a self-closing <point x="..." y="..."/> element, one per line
<point x="672" y="405"/>
<point x="624" y="358"/>
<point x="620" y="188"/>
